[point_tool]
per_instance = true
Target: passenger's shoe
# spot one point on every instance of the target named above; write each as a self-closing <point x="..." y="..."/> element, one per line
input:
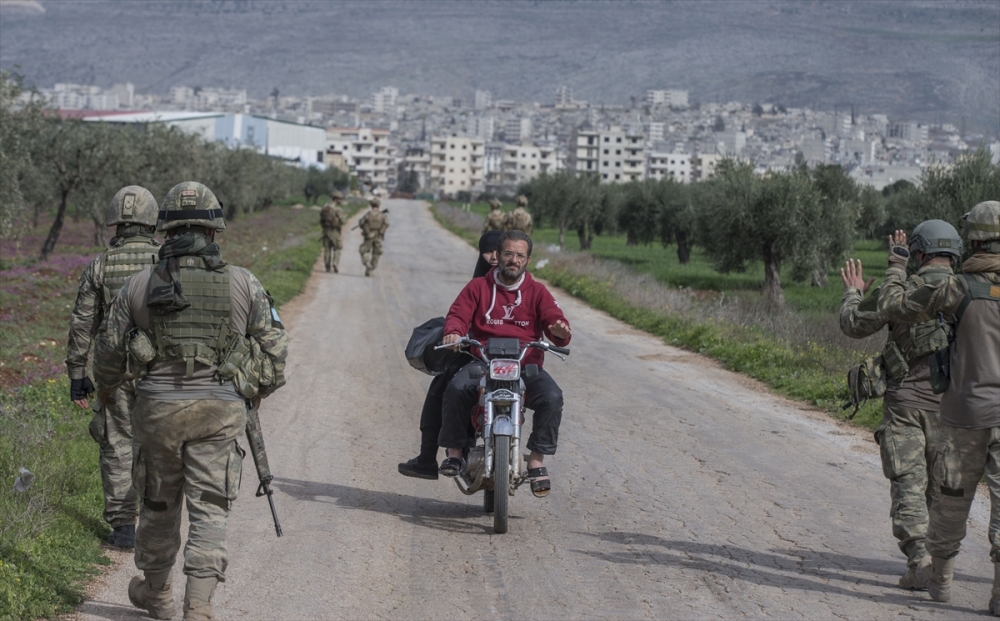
<point x="419" y="469"/>
<point x="198" y="599"/>
<point x="123" y="536"/>
<point x="452" y="467"/>
<point x="158" y="602"/>
<point x="335" y="270"/>
<point x="916" y="576"/>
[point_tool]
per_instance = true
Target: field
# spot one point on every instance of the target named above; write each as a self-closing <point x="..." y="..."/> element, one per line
<point x="800" y="352"/>
<point x="51" y="536"/>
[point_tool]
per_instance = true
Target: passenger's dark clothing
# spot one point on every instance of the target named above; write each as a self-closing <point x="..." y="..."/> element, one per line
<point x="542" y="395"/>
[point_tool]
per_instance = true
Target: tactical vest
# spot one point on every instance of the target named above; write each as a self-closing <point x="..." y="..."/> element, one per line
<point x="200" y="331"/>
<point x="120" y="262"/>
<point x="919" y="340"/>
<point x="373" y="224"/>
<point x="521" y="219"/>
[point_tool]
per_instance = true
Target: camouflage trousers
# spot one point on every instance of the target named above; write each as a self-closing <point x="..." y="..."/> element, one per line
<point x="189" y="449"/>
<point x="373" y="248"/>
<point x="111" y="428"/>
<point x="332" y="245"/>
<point x="906" y="439"/>
<point x="962" y="458"/>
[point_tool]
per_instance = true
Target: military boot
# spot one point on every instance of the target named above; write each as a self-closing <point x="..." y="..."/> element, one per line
<point x="153" y="594"/>
<point x="198" y="599"/>
<point x="995" y="594"/>
<point x="123" y="536"/>
<point x="915" y="577"/>
<point x="939" y="584"/>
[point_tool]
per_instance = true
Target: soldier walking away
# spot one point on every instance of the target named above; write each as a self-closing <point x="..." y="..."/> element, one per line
<point x="373" y="225"/>
<point x="969" y="375"/>
<point x="494" y="219"/>
<point x="204" y="338"/>
<point x="332" y="219"/>
<point x="519" y="219"/>
<point x="133" y="213"/>
<point x="910" y="420"/>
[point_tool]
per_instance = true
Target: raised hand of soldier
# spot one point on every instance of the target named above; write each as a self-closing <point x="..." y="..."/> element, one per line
<point x="898" y="250"/>
<point x="851" y="276"/>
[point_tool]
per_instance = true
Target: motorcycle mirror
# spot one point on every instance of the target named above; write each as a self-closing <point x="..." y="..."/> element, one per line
<point x="476" y="372"/>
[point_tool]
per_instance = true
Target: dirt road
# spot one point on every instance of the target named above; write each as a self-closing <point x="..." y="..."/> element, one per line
<point x="680" y="490"/>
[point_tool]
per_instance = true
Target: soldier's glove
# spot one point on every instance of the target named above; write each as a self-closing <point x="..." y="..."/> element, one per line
<point x="80" y="388"/>
<point x="898" y="254"/>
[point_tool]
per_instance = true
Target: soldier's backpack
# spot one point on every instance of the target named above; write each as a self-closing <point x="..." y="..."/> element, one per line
<point x="940" y="362"/>
<point x="866" y="380"/>
<point x="330" y="218"/>
<point x="521" y="219"/>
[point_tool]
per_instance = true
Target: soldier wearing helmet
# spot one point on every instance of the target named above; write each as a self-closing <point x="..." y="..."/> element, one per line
<point x="133" y="214"/>
<point x="495" y="219"/>
<point x="519" y="219"/>
<point x="373" y="226"/>
<point x="203" y="338"/>
<point x="910" y="419"/>
<point x="969" y="374"/>
<point x="332" y="219"/>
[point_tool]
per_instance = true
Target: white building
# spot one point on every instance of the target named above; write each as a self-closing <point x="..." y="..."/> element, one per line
<point x="481" y="127"/>
<point x="564" y="97"/>
<point x="731" y="142"/>
<point x="367" y="155"/>
<point x="654" y="132"/>
<point x="385" y="99"/>
<point x="522" y="163"/>
<point x="482" y="100"/>
<point x="676" y="166"/>
<point x="703" y="166"/>
<point x="517" y="130"/>
<point x="671" y="98"/>
<point x="457" y="164"/>
<point x="615" y="155"/>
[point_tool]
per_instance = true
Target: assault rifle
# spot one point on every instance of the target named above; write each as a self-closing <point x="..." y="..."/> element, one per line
<point x="256" y="438"/>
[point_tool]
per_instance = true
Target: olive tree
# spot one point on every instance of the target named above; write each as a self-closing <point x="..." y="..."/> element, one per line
<point x="676" y="217"/>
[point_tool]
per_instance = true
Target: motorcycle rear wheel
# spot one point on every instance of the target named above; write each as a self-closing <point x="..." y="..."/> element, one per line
<point x="501" y="482"/>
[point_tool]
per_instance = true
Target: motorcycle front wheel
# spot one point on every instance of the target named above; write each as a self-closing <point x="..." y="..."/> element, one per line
<point x="501" y="482"/>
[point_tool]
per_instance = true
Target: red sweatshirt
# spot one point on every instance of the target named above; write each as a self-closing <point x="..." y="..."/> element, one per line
<point x="486" y="309"/>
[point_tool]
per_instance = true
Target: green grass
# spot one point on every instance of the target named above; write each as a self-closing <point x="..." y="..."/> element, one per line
<point x="51" y="536"/>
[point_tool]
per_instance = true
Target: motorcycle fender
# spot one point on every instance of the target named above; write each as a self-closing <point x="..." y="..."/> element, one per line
<point x="502" y="426"/>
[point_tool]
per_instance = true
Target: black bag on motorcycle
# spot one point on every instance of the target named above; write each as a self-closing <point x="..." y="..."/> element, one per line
<point x="420" y="350"/>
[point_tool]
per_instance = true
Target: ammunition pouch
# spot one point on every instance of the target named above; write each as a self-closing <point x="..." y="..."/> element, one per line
<point x="940" y="363"/>
<point x="139" y="352"/>
<point x="239" y="365"/>
<point x="896" y="365"/>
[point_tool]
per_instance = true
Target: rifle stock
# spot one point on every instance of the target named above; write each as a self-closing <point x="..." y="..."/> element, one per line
<point x="255" y="436"/>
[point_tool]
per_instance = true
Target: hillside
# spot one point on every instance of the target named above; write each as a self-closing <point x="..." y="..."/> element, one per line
<point x="923" y="60"/>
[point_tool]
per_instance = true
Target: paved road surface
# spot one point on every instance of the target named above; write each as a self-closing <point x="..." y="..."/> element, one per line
<point x="680" y="490"/>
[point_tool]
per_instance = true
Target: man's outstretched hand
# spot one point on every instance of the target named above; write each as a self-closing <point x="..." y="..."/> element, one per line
<point x="560" y="330"/>
<point x="851" y="276"/>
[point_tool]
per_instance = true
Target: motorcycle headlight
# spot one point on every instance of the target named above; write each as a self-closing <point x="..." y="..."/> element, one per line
<point x="505" y="369"/>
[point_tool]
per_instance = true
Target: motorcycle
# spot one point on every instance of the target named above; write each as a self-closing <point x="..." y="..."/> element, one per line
<point x="495" y="464"/>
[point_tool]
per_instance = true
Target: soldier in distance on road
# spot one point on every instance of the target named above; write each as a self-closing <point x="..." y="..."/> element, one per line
<point x="332" y="219"/>
<point x="494" y="220"/>
<point x="133" y="213"/>
<point x="425" y="465"/>
<point x="969" y="444"/>
<point x="910" y="420"/>
<point x="519" y="219"/>
<point x="207" y="339"/>
<point x="373" y="226"/>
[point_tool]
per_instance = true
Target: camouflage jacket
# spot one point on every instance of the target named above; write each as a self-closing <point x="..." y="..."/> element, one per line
<point x="89" y="310"/>
<point x="494" y="221"/>
<point x="940" y="291"/>
<point x="859" y="317"/>
<point x="129" y="311"/>
<point x="332" y="217"/>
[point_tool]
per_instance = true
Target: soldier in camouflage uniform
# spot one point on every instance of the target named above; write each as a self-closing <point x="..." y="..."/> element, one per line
<point x="969" y="443"/>
<point x="373" y="225"/>
<point x="910" y="421"/>
<point x="133" y="212"/>
<point x="332" y="219"/>
<point x="519" y="219"/>
<point x="495" y="219"/>
<point x="180" y="326"/>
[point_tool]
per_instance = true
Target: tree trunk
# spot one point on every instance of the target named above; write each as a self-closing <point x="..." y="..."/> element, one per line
<point x="98" y="232"/>
<point x="630" y="238"/>
<point x="772" y="280"/>
<point x="562" y="235"/>
<point x="50" y="241"/>
<point x="683" y="250"/>
<point x="819" y="277"/>
<point x="581" y="233"/>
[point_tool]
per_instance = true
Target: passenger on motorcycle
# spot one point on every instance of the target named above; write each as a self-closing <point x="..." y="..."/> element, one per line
<point x="509" y="303"/>
<point x="425" y="465"/>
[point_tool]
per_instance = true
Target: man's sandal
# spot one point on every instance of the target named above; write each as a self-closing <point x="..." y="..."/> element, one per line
<point x="452" y="466"/>
<point x="540" y="489"/>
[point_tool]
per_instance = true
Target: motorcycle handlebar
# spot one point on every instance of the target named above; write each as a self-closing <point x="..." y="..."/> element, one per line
<point x="536" y="344"/>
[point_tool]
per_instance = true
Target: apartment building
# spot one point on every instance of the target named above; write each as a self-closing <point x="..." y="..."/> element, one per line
<point x="615" y="155"/>
<point x="482" y="100"/>
<point x="703" y="165"/>
<point x="676" y="166"/>
<point x="522" y="163"/>
<point x="671" y="98"/>
<point x="385" y="99"/>
<point x="366" y="152"/>
<point x="517" y="130"/>
<point x="456" y="164"/>
<point x="481" y="127"/>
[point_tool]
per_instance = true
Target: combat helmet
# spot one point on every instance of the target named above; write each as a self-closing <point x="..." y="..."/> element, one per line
<point x="936" y="237"/>
<point x="375" y="202"/>
<point x="982" y="223"/>
<point x="191" y="204"/>
<point x="336" y="196"/>
<point x="522" y="200"/>
<point x="132" y="204"/>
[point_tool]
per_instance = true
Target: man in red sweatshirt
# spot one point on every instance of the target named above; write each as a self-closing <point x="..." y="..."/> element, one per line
<point x="506" y="303"/>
